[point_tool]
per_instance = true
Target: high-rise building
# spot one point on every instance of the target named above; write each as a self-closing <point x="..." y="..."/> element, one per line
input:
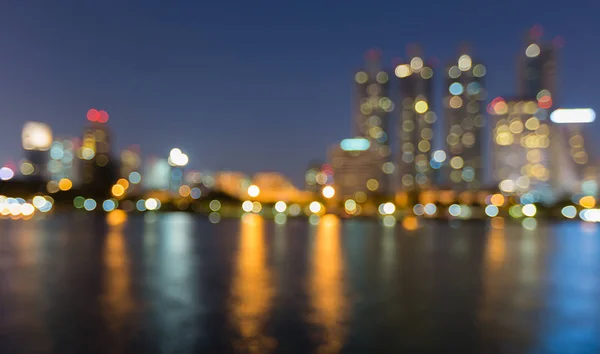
<point x="415" y="128"/>
<point x="357" y="170"/>
<point x="98" y="169"/>
<point x="157" y="174"/>
<point x="537" y="74"/>
<point x="521" y="148"/>
<point x="131" y="167"/>
<point x="464" y="117"/>
<point x="36" y="139"/>
<point x="372" y="107"/>
<point x="574" y="172"/>
<point x="63" y="162"/>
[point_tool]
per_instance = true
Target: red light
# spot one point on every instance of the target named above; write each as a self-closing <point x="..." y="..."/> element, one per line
<point x="536" y="31"/>
<point x="103" y="117"/>
<point x="93" y="115"/>
<point x="545" y="102"/>
<point x="373" y="54"/>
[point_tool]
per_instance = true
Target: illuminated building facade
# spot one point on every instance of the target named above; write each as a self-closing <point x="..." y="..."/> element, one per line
<point x="574" y="172"/>
<point x="98" y="171"/>
<point x="464" y="118"/>
<point x="36" y="139"/>
<point x="372" y="107"/>
<point x="157" y="174"/>
<point x="131" y="167"/>
<point x="62" y="162"/>
<point x="357" y="169"/>
<point x="415" y="128"/>
<point x="521" y="148"/>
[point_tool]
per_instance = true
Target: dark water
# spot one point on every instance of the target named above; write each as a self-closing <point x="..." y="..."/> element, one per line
<point x="178" y="284"/>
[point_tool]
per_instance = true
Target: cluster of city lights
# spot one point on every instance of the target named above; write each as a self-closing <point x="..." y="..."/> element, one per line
<point x="19" y="208"/>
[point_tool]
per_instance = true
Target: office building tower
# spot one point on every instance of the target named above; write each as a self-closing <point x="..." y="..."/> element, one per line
<point x="62" y="161"/>
<point x="415" y="128"/>
<point x="98" y="169"/>
<point x="537" y="74"/>
<point x="521" y="148"/>
<point x="372" y="107"/>
<point x="131" y="167"/>
<point x="36" y="139"/>
<point x="574" y="172"/>
<point x="157" y="174"/>
<point x="464" y="120"/>
<point x="357" y="171"/>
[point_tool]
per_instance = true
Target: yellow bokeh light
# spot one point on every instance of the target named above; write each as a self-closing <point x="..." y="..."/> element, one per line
<point x="587" y="202"/>
<point x="421" y="107"/>
<point x="497" y="200"/>
<point x="464" y="62"/>
<point x="403" y="71"/>
<point x="456" y="162"/>
<point x="65" y="184"/>
<point x="123" y="182"/>
<point x="372" y="184"/>
<point x="117" y="190"/>
<point x="416" y="63"/>
<point x="455" y="102"/>
<point x="52" y="187"/>
<point x="184" y="191"/>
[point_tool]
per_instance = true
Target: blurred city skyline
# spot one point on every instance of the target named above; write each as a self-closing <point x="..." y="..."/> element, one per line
<point x="264" y="88"/>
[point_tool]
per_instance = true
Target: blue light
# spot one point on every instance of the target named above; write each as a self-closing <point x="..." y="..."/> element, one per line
<point x="141" y="205"/>
<point x="473" y="88"/>
<point x="357" y="144"/>
<point x="89" y="204"/>
<point x="435" y="164"/>
<point x="135" y="177"/>
<point x="108" y="205"/>
<point x="456" y="88"/>
<point x="195" y="193"/>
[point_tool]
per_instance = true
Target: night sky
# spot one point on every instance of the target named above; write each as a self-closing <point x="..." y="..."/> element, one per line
<point x="254" y="85"/>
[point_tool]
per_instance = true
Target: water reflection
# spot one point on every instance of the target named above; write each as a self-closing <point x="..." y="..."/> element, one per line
<point x="117" y="298"/>
<point x="327" y="285"/>
<point x="252" y="289"/>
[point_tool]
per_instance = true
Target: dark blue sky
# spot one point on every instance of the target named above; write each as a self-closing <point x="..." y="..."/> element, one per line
<point x="253" y="85"/>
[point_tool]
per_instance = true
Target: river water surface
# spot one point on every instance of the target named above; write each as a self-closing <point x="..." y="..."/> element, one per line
<point x="176" y="283"/>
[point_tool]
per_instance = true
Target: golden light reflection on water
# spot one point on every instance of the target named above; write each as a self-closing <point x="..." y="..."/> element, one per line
<point x="326" y="285"/>
<point x="117" y="298"/>
<point x="493" y="285"/>
<point x="496" y="248"/>
<point x="252" y="289"/>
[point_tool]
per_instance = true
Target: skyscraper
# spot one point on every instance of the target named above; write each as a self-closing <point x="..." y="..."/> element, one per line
<point x="62" y="162"/>
<point x="415" y="128"/>
<point x="36" y="139"/>
<point x="537" y="72"/>
<point x="98" y="169"/>
<point x="521" y="148"/>
<point x="372" y="107"/>
<point x="356" y="169"/>
<point x="464" y="117"/>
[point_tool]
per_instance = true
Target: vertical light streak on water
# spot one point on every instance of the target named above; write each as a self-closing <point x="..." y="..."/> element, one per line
<point x="326" y="285"/>
<point x="117" y="299"/>
<point x="179" y="304"/>
<point x="252" y="289"/>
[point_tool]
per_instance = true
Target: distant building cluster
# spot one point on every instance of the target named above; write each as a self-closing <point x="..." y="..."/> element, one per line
<point x="523" y="145"/>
